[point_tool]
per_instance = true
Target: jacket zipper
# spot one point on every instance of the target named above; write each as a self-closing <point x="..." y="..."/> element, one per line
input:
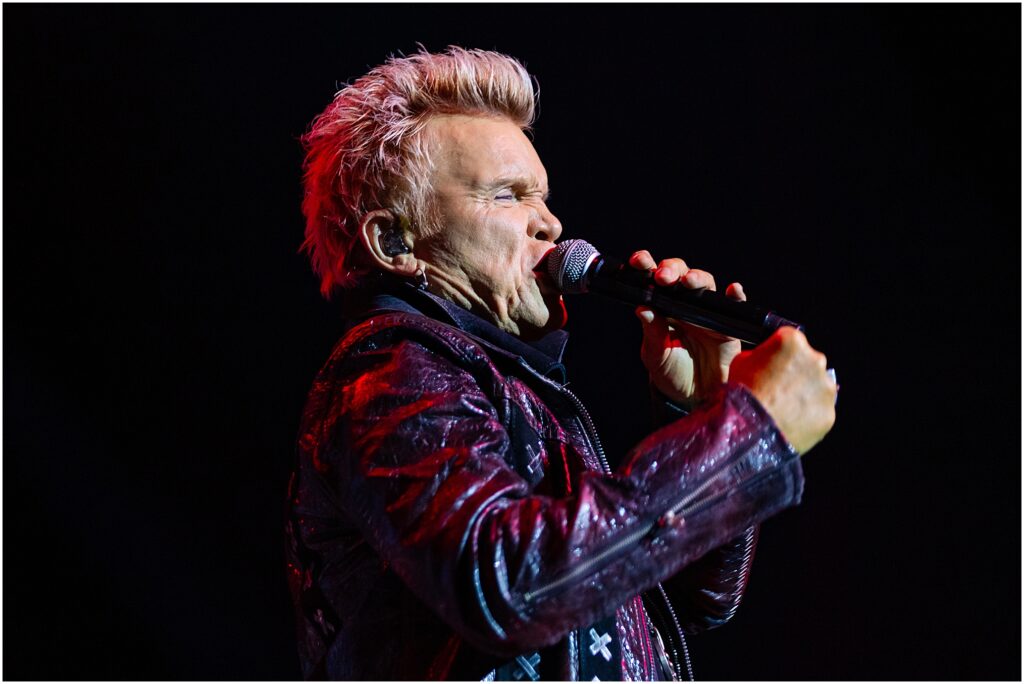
<point x="588" y="422"/>
<point x="590" y="431"/>
<point x="585" y="421"/>
<point x="656" y="607"/>
<point x="586" y="567"/>
<point x="686" y="506"/>
<point x="679" y="632"/>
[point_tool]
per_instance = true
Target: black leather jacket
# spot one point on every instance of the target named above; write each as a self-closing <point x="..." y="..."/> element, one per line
<point x="453" y="509"/>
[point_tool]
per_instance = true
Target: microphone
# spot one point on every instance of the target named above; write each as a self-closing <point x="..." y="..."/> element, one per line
<point x="576" y="266"/>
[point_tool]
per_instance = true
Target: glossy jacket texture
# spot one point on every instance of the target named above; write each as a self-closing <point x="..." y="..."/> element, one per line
<point x="451" y="510"/>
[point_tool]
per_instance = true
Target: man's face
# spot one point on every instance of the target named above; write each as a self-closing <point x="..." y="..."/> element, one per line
<point x="489" y="188"/>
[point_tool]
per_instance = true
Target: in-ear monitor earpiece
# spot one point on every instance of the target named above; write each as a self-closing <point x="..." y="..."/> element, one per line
<point x="392" y="243"/>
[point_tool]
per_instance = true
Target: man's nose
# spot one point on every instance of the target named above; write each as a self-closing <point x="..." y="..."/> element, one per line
<point x="545" y="226"/>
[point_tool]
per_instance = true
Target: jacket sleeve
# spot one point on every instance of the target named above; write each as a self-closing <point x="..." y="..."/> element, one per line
<point x="707" y="592"/>
<point x="418" y="455"/>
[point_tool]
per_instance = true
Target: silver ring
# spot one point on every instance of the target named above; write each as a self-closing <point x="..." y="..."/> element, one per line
<point x="831" y="372"/>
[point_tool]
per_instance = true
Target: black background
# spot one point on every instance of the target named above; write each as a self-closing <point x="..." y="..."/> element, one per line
<point x="856" y="167"/>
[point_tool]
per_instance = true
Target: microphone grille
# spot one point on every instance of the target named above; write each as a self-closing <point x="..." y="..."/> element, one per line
<point x="568" y="263"/>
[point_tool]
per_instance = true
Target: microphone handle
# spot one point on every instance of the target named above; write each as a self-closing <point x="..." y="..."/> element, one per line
<point x="704" y="308"/>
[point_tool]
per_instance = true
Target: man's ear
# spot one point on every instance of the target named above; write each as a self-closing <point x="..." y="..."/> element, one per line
<point x="387" y="242"/>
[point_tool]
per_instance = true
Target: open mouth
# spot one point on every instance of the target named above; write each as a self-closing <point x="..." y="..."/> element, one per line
<point x="540" y="269"/>
<point x="544" y="282"/>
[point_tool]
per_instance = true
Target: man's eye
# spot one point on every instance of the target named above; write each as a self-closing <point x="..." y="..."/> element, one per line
<point x="506" y="196"/>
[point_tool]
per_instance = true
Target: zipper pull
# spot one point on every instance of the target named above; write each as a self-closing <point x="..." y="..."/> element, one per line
<point x="670" y="519"/>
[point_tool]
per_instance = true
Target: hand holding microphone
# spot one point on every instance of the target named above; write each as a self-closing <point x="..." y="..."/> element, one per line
<point x="686" y="363"/>
<point x="690" y="344"/>
<point x="576" y="266"/>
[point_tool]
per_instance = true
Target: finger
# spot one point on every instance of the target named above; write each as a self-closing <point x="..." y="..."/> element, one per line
<point x="655" y="327"/>
<point x="735" y="291"/>
<point x="642" y="260"/>
<point x="696" y="279"/>
<point x="670" y="271"/>
<point x="645" y="315"/>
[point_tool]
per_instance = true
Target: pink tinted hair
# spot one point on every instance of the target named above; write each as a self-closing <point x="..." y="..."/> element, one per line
<point x="366" y="150"/>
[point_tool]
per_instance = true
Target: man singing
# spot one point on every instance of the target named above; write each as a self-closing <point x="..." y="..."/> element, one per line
<point x="453" y="514"/>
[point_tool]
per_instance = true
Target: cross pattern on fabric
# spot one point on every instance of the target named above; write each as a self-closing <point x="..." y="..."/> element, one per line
<point x="600" y="644"/>
<point x="527" y="667"/>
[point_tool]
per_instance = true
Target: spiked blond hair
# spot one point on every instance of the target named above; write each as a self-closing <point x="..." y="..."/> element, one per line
<point x="366" y="150"/>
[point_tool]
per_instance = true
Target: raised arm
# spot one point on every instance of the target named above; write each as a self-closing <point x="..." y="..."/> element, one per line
<point x="417" y="451"/>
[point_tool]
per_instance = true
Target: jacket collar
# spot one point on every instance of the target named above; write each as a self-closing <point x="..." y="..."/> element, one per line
<point x="543" y="355"/>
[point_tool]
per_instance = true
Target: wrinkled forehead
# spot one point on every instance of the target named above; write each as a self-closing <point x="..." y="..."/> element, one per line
<point x="477" y="150"/>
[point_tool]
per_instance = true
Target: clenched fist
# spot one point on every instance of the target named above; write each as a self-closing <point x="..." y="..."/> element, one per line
<point x="789" y="378"/>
